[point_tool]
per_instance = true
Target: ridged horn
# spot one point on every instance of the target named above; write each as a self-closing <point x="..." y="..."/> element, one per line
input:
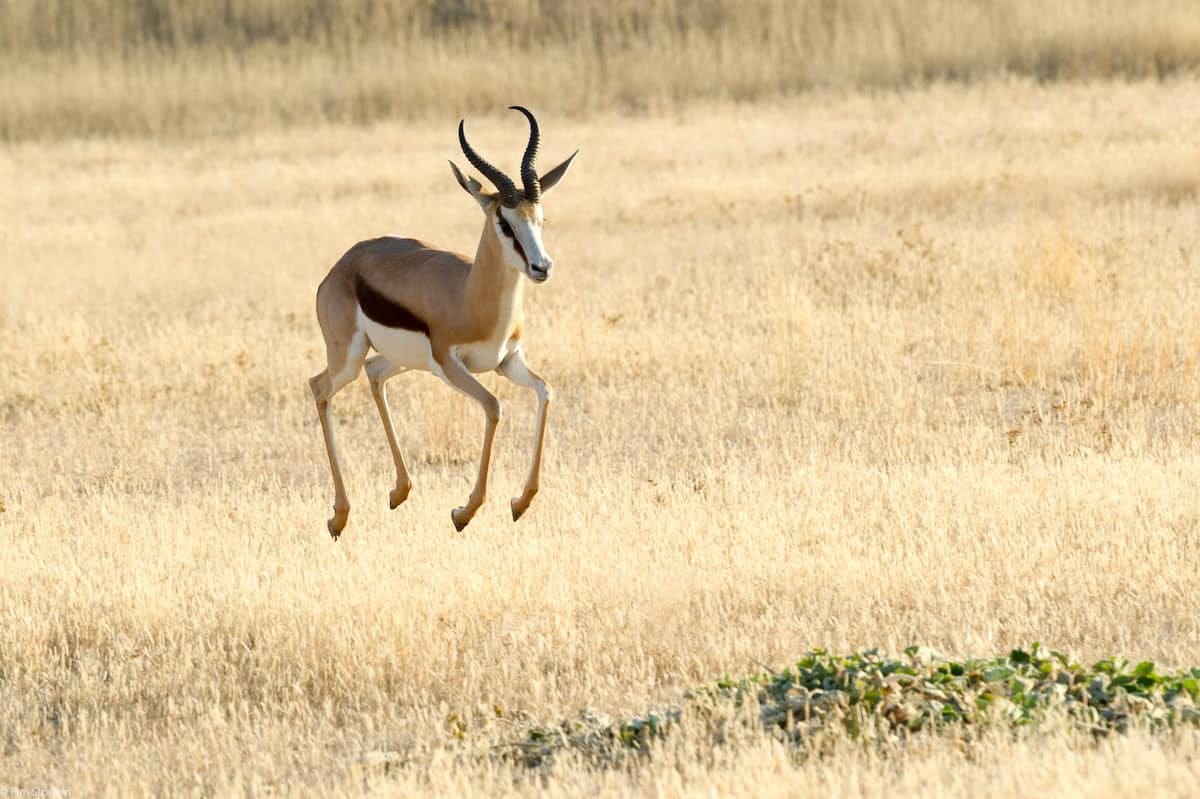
<point x="502" y="182"/>
<point x="529" y="176"/>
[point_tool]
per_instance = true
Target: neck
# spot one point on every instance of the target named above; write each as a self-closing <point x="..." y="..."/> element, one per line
<point x="495" y="290"/>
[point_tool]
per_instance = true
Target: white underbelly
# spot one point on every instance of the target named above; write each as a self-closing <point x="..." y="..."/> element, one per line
<point x="405" y="349"/>
<point x="409" y="350"/>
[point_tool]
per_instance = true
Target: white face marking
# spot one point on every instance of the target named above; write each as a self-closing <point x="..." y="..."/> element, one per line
<point x="528" y="232"/>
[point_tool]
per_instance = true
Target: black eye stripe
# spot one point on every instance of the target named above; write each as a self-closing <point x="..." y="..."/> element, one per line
<point x="505" y="228"/>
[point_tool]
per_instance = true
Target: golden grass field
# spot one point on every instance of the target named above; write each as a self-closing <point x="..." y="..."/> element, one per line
<point x="843" y="357"/>
<point x="220" y="67"/>
<point x="846" y="370"/>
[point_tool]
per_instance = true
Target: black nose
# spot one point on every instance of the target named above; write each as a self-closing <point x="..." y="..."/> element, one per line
<point x="539" y="274"/>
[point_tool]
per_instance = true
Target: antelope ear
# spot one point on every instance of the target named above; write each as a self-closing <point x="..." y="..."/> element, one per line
<point x="552" y="177"/>
<point x="472" y="187"/>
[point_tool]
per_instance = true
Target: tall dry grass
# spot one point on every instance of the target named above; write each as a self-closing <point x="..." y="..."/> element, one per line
<point x="849" y="370"/>
<point x="159" y="67"/>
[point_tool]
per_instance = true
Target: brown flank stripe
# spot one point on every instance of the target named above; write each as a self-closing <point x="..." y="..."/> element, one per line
<point x="384" y="311"/>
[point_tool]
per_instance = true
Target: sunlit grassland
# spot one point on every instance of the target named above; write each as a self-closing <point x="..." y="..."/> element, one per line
<point x="845" y="370"/>
<point x="160" y="67"/>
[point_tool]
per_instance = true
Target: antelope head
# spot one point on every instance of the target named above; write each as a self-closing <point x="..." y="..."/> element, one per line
<point x="515" y="215"/>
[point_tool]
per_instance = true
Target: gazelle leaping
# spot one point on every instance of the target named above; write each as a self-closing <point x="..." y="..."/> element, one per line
<point x="430" y="310"/>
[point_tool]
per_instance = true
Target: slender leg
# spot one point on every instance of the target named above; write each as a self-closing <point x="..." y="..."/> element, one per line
<point x="323" y="387"/>
<point x="379" y="370"/>
<point x="454" y="373"/>
<point x="341" y="503"/>
<point x="517" y="370"/>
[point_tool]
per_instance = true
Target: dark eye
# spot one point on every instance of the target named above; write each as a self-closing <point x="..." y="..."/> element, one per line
<point x="504" y="226"/>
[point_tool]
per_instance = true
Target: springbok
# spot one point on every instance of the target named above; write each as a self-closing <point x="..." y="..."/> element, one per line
<point x="430" y="310"/>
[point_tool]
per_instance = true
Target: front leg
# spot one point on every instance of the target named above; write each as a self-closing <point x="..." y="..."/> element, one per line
<point x="517" y="370"/>
<point x="454" y="373"/>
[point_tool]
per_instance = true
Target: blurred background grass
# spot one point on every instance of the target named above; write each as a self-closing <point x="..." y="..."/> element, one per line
<point x="170" y="67"/>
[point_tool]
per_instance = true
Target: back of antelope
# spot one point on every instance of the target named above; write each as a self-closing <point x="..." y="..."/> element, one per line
<point x="421" y="308"/>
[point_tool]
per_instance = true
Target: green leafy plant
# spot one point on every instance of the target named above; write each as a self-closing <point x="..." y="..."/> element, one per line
<point x="871" y="695"/>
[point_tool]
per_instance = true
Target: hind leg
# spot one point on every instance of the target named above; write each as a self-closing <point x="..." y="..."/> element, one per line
<point x="344" y="364"/>
<point x="379" y="370"/>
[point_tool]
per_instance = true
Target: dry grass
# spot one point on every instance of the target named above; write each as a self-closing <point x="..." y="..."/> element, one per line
<point x="112" y="67"/>
<point x="844" y="371"/>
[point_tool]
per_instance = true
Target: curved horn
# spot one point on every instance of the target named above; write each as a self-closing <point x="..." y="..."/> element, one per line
<point x="508" y="190"/>
<point x="529" y="177"/>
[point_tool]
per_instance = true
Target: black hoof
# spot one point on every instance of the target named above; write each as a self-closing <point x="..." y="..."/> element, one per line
<point x="396" y="497"/>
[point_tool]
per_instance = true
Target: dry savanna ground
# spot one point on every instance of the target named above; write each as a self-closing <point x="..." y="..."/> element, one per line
<point x="846" y="370"/>
<point x="165" y="67"/>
